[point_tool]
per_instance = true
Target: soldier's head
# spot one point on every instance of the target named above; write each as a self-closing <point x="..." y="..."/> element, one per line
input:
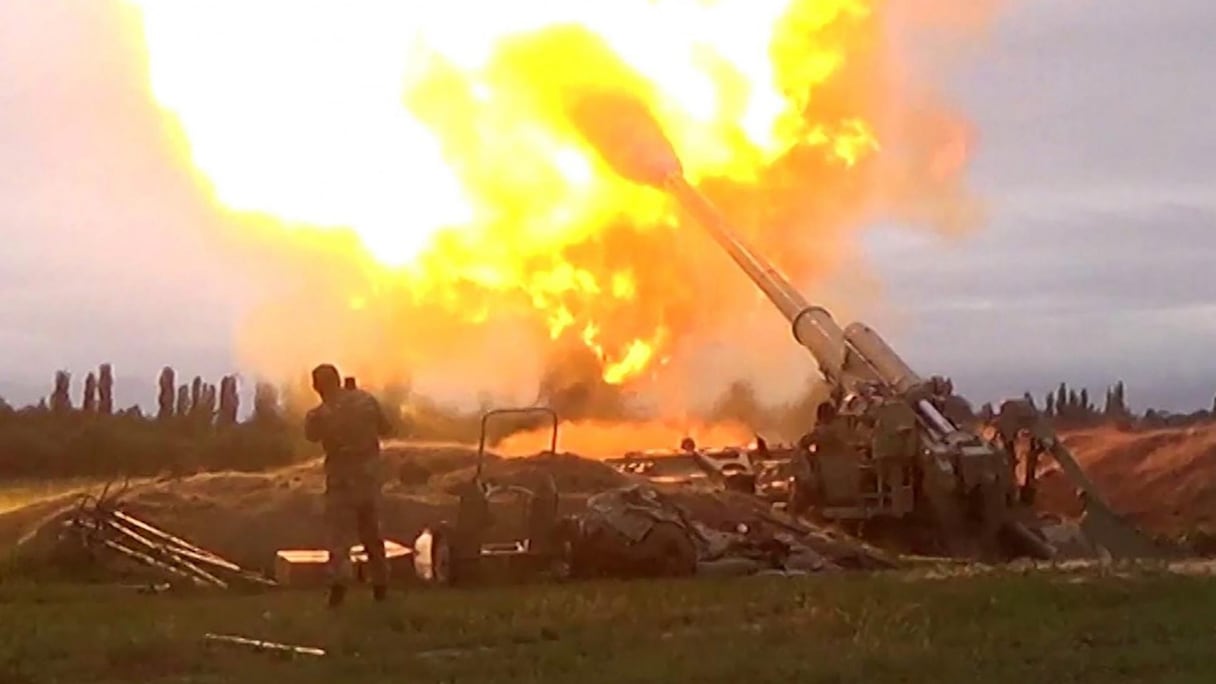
<point x="326" y="380"/>
<point x="350" y="383"/>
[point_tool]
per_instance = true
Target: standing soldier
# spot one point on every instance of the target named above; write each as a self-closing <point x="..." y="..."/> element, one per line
<point x="349" y="424"/>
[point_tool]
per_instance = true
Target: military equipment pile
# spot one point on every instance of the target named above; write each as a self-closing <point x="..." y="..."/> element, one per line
<point x="549" y="517"/>
<point x="230" y="531"/>
<point x="111" y="536"/>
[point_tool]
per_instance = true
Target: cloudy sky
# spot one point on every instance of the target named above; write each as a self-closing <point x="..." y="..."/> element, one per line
<point x="1094" y="160"/>
<point x="1097" y="159"/>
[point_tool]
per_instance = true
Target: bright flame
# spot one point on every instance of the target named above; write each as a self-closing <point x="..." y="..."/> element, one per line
<point x="435" y="132"/>
<point x="600" y="440"/>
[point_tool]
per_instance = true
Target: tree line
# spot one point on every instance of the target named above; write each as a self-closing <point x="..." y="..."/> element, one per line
<point x="196" y="427"/>
<point x="1069" y="407"/>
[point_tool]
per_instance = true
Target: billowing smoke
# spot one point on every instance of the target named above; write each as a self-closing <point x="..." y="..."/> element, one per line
<point x="509" y="262"/>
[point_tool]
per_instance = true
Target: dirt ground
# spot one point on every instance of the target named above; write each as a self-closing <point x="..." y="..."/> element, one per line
<point x="248" y="517"/>
<point x="1164" y="479"/>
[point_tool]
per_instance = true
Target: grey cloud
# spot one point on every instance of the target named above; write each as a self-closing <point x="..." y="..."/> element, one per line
<point x="1097" y="261"/>
<point x="1096" y="160"/>
<point x="1063" y="285"/>
<point x="1090" y="92"/>
<point x="1097" y="295"/>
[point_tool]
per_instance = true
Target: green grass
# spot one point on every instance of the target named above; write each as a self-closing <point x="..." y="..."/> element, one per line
<point x="995" y="628"/>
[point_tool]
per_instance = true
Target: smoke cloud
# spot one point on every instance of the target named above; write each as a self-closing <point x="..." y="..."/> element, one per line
<point x="572" y="285"/>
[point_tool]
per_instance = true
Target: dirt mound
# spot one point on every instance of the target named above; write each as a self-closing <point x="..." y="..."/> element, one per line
<point x="247" y="517"/>
<point x="21" y="524"/>
<point x="571" y="474"/>
<point x="1165" y="479"/>
<point x="415" y="463"/>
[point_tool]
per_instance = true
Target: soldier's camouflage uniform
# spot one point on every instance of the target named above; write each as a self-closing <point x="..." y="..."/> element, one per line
<point x="349" y="426"/>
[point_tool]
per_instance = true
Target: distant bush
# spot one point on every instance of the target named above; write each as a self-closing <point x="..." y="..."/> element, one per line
<point x="38" y="443"/>
<point x="1072" y="409"/>
<point x="194" y="429"/>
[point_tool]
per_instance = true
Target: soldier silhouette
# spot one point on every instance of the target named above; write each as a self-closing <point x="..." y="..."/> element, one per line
<point x="349" y="424"/>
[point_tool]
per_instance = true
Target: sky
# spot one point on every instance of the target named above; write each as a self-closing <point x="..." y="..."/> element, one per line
<point x="1094" y="161"/>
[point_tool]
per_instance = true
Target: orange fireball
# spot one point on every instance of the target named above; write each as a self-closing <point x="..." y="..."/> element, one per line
<point x="425" y="147"/>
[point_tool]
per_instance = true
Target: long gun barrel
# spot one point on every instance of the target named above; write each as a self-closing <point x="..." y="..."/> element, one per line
<point x="858" y="353"/>
<point x="627" y="136"/>
<point x="843" y="354"/>
<point x="813" y="326"/>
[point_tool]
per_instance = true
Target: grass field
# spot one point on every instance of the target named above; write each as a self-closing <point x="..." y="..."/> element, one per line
<point x="991" y="628"/>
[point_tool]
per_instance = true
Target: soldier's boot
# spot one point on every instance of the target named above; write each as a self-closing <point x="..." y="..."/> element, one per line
<point x="337" y="594"/>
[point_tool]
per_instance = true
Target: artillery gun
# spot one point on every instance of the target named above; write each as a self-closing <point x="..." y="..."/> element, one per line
<point x="760" y="469"/>
<point x="914" y="453"/>
<point x="913" y="450"/>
